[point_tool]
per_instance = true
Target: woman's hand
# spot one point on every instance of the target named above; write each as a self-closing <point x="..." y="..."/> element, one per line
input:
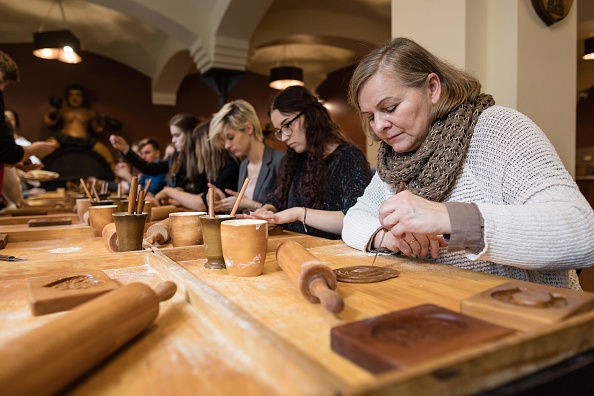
<point x="122" y="170"/>
<point x="222" y="202"/>
<point x="162" y="197"/>
<point x="415" y="224"/>
<point x="284" y="216"/>
<point x="420" y="245"/>
<point x="119" y="143"/>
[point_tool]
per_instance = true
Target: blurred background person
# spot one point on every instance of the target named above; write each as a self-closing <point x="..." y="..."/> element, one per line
<point x="210" y="163"/>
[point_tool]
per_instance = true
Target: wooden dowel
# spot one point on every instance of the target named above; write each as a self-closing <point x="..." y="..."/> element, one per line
<point x="119" y="189"/>
<point x="84" y="185"/>
<point x="132" y="195"/>
<point x="144" y="194"/>
<point x="210" y="200"/>
<point x="95" y="191"/>
<point x="240" y="196"/>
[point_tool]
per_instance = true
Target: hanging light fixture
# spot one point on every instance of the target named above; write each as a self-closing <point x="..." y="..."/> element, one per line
<point x="56" y="44"/>
<point x="282" y="77"/>
<point x="589" y="49"/>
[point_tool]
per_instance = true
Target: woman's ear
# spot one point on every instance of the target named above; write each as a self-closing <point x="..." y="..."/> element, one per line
<point x="434" y="84"/>
<point x="249" y="129"/>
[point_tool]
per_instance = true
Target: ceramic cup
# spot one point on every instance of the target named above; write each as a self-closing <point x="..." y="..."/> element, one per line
<point x="185" y="228"/>
<point x="244" y="244"/>
<point x="130" y="230"/>
<point x="118" y="201"/>
<point x="211" y="231"/>
<point x="100" y="216"/>
<point x="82" y="205"/>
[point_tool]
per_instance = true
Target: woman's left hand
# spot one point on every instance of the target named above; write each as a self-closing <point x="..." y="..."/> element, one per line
<point x="284" y="216"/>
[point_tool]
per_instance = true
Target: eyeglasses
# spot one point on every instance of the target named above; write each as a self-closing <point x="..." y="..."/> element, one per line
<point x="286" y="128"/>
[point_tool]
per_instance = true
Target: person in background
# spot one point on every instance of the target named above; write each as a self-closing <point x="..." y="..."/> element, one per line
<point x="10" y="152"/>
<point x="148" y="149"/>
<point x="178" y="166"/>
<point x="481" y="179"/>
<point x="169" y="150"/>
<point x="211" y="164"/>
<point x="237" y="124"/>
<point x="14" y="187"/>
<point x="323" y="174"/>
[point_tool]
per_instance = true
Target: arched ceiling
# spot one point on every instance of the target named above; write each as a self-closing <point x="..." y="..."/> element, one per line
<point x="166" y="40"/>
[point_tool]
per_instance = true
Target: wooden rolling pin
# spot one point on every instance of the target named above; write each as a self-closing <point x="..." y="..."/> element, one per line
<point x="315" y="280"/>
<point x="110" y="237"/>
<point x="49" y="357"/>
<point x="162" y="212"/>
<point x="158" y="233"/>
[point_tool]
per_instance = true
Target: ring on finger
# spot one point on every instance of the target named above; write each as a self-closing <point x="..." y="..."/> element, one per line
<point x="411" y="242"/>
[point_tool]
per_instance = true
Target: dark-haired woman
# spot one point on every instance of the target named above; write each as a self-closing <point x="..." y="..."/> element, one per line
<point x="324" y="173"/>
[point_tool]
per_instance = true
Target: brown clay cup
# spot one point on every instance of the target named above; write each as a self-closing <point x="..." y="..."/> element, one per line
<point x="100" y="216"/>
<point x="211" y="231"/>
<point x="118" y="201"/>
<point x="130" y="230"/>
<point x="82" y="206"/>
<point x="185" y="228"/>
<point x="244" y="243"/>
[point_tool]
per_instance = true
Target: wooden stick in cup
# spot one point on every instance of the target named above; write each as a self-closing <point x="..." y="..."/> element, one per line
<point x="142" y="196"/>
<point x="84" y="185"/>
<point x="240" y="196"/>
<point x="210" y="200"/>
<point x="95" y="191"/>
<point x="132" y="195"/>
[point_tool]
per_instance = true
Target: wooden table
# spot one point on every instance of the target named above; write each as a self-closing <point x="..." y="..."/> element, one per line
<point x="227" y="335"/>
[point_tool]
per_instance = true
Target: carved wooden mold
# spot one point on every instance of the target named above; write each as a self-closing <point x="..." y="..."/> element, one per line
<point x="54" y="293"/>
<point x="527" y="306"/>
<point x="400" y="339"/>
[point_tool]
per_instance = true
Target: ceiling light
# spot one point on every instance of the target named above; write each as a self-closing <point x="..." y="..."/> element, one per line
<point x="56" y="44"/>
<point x="589" y="49"/>
<point x="285" y="76"/>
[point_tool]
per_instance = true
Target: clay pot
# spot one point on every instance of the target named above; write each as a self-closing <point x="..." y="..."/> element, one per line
<point x="129" y="230"/>
<point x="82" y="205"/>
<point x="100" y="216"/>
<point x="185" y="228"/>
<point x="211" y="230"/>
<point x="244" y="243"/>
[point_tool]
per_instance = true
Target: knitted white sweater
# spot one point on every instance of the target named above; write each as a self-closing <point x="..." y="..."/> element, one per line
<point x="538" y="227"/>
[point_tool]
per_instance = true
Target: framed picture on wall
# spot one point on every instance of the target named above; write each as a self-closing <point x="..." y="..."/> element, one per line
<point x="552" y="11"/>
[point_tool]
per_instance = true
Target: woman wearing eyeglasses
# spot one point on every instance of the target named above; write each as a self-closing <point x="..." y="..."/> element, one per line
<point x="323" y="174"/>
<point x="238" y="125"/>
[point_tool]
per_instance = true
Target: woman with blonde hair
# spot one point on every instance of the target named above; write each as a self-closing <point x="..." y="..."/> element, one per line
<point x="481" y="179"/>
<point x="238" y="126"/>
<point x="208" y="163"/>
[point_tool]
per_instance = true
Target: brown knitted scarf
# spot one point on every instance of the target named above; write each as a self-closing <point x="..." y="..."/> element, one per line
<point x="431" y="171"/>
